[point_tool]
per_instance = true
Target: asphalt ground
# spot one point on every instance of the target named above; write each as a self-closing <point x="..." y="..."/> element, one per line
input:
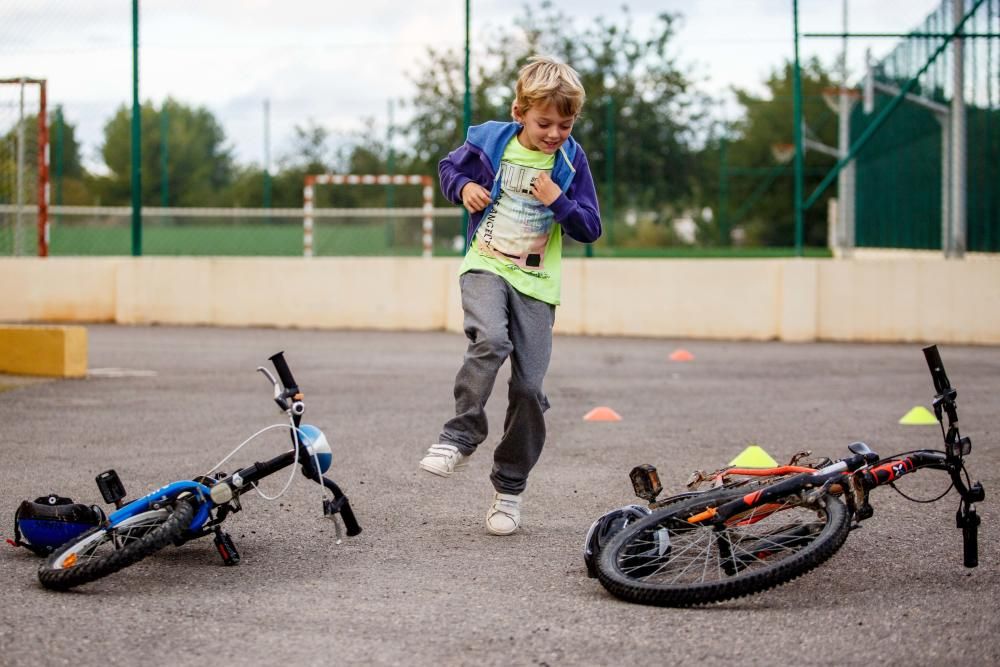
<point x="424" y="584"/>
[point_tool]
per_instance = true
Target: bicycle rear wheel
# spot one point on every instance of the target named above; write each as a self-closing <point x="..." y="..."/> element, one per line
<point x="664" y="560"/>
<point x="107" y="549"/>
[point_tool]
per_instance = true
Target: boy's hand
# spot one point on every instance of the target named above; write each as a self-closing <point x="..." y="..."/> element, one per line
<point x="545" y="189"/>
<point x="475" y="197"/>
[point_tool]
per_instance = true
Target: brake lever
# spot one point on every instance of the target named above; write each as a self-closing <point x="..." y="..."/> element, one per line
<point x="278" y="398"/>
<point x="274" y="382"/>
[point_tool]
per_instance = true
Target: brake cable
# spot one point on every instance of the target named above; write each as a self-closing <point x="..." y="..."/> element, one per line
<point x="895" y="488"/>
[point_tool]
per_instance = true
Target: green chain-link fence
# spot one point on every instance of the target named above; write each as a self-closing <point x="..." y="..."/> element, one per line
<point x="904" y="179"/>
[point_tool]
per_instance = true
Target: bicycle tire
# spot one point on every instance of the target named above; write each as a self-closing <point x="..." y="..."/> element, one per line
<point x="663" y="560"/>
<point x="84" y="560"/>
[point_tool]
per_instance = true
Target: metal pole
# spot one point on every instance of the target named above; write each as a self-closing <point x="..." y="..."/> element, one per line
<point x="43" y="171"/>
<point x="164" y="158"/>
<point x="136" y="138"/>
<point x="466" y="117"/>
<point x="797" y="130"/>
<point x="845" y="179"/>
<point x="945" y="122"/>
<point x="428" y="221"/>
<point x="19" y="176"/>
<point x="723" y="193"/>
<point x="958" y="138"/>
<point x="307" y="216"/>
<point x="59" y="156"/>
<point x="609" y="166"/>
<point x="267" y="153"/>
<point x="390" y="164"/>
<point x="390" y="192"/>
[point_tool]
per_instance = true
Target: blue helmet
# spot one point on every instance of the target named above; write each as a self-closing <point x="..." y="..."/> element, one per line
<point x="316" y="446"/>
<point x="51" y="521"/>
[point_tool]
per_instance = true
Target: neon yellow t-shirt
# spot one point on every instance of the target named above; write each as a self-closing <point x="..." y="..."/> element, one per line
<point x="518" y="238"/>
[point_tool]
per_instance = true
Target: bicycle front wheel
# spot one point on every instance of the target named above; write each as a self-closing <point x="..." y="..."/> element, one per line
<point x="107" y="549"/>
<point x="664" y="560"/>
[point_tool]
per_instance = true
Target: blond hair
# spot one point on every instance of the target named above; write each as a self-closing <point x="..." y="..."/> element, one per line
<point x="546" y="80"/>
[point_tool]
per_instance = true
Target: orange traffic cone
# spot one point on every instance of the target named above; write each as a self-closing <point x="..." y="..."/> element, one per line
<point x="602" y="414"/>
<point x="681" y="354"/>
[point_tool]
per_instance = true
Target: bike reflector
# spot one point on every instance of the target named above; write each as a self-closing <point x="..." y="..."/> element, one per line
<point x="316" y="446"/>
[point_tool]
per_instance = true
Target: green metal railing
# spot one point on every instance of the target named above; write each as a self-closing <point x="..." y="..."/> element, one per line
<point x="927" y="159"/>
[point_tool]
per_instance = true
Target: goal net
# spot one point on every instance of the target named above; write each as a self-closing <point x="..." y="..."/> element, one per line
<point x="24" y="168"/>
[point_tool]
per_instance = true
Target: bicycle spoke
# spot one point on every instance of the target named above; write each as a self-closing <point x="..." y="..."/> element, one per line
<point x="113" y="539"/>
<point x="702" y="553"/>
<point x="665" y="559"/>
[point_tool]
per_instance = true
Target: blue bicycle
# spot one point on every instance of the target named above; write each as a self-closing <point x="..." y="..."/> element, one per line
<point x="189" y="509"/>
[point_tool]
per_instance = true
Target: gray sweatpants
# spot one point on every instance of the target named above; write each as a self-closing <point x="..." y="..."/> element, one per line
<point x="500" y="322"/>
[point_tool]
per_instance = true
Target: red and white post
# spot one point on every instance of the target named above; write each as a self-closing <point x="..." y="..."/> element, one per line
<point x="43" y="173"/>
<point x="43" y="159"/>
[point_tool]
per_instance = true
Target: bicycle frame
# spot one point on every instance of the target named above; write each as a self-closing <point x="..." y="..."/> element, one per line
<point x="166" y="495"/>
<point x="857" y="475"/>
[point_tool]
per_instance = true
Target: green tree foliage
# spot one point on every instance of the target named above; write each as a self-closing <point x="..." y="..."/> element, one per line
<point x="641" y="110"/>
<point x="64" y="160"/>
<point x="760" y="189"/>
<point x="652" y="147"/>
<point x="64" y="149"/>
<point x="199" y="165"/>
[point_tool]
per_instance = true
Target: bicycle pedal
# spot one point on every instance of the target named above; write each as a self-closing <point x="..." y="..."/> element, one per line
<point x="226" y="547"/>
<point x="111" y="487"/>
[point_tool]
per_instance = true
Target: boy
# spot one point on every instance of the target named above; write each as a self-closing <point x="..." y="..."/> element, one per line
<point x="524" y="184"/>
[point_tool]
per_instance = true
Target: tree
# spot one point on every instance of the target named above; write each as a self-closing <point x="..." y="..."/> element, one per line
<point x="761" y="190"/>
<point x="71" y="167"/>
<point x="310" y="150"/>
<point x="199" y="163"/>
<point x="640" y="104"/>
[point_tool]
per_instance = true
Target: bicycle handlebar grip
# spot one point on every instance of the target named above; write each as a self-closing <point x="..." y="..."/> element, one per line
<point x="284" y="373"/>
<point x="936" y="366"/>
<point x="970" y="537"/>
<point x="350" y="522"/>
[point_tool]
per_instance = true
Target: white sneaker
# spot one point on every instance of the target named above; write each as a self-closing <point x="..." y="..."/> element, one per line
<point x="504" y="517"/>
<point x="443" y="460"/>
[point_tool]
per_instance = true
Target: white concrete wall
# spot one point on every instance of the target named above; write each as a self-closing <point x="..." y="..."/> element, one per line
<point x="866" y="299"/>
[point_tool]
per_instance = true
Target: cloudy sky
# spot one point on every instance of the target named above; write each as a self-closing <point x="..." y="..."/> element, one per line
<point x="337" y="62"/>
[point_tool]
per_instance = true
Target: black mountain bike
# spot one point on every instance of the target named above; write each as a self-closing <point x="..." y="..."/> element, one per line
<point x="755" y="529"/>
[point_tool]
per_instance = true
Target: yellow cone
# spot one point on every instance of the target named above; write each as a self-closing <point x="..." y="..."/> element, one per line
<point x="918" y="416"/>
<point x="754" y="456"/>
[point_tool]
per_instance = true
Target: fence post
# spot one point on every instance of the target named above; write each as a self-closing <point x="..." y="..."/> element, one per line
<point x="307" y="216"/>
<point x="136" y="138"/>
<point x="958" y="138"/>
<point x="43" y="173"/>
<point x="428" y="223"/>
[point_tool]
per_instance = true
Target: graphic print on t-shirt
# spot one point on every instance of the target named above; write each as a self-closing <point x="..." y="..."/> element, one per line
<point x="517" y="228"/>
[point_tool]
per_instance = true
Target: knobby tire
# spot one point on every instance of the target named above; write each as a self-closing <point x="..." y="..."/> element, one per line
<point x="630" y="570"/>
<point x="54" y="575"/>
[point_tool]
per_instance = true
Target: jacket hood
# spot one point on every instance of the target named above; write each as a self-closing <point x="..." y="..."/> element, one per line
<point x="493" y="136"/>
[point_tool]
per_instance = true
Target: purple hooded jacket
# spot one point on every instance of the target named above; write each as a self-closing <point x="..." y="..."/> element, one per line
<point x="478" y="160"/>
